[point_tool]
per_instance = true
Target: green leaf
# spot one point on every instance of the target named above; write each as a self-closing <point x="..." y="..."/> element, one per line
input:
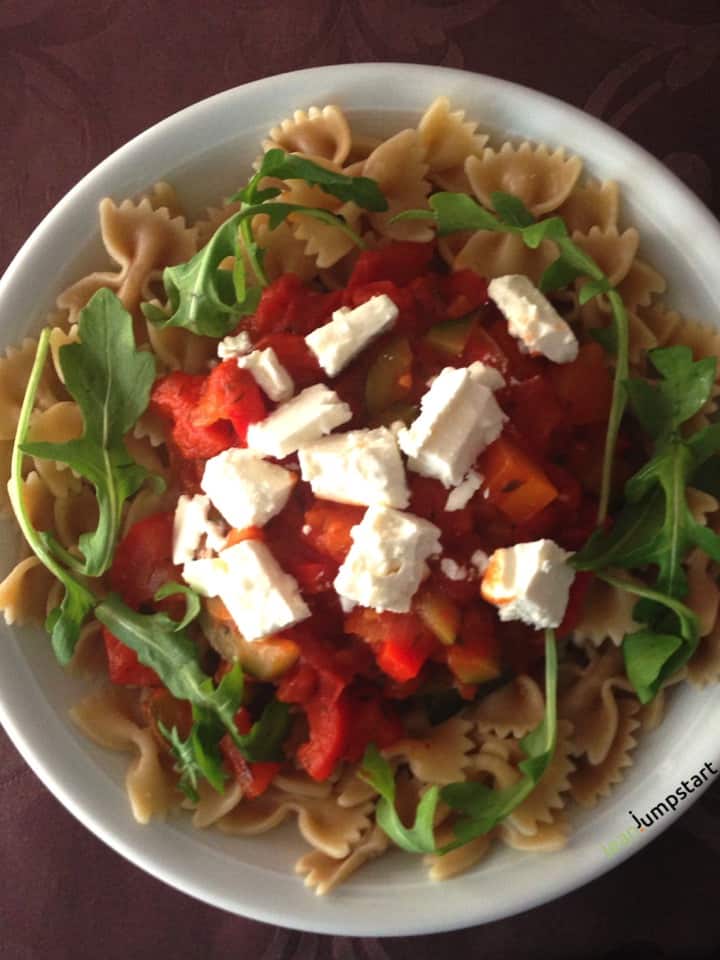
<point x="168" y="649"/>
<point x="63" y="623"/>
<point x="484" y="808"/>
<point x="420" y="837"/>
<point x="110" y="381"/>
<point x="653" y="656"/>
<point x="458" y="211"/>
<point x="192" y="601"/>
<point x="592" y="289"/>
<point x="202" y="298"/>
<point x="551" y="229"/>
<point x="606" y="337"/>
<point x="265" y="739"/>
<point x="707" y="476"/>
<point x="287" y="166"/>
<point x="511" y="209"/>
<point x="645" y="654"/>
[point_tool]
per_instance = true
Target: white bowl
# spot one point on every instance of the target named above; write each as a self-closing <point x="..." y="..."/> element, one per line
<point x="206" y="151"/>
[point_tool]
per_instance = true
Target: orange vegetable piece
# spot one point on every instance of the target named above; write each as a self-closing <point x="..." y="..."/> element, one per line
<point x="515" y="483"/>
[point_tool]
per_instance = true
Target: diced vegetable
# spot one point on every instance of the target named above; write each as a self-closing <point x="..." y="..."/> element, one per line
<point x="389" y="379"/>
<point x="475" y="658"/>
<point x="439" y="614"/>
<point x="450" y="336"/>
<point x="515" y="483"/>
<point x="330" y="525"/>
<point x="398" y="262"/>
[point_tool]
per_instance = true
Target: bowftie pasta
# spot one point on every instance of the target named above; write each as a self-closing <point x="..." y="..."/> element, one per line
<point x="356" y="496"/>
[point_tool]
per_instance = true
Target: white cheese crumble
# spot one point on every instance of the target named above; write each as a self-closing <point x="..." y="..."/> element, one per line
<point x="362" y="467"/>
<point x="189" y="526"/>
<point x="459" y="417"/>
<point x="533" y="319"/>
<point x="350" y="331"/>
<point x="461" y="495"/>
<point x="237" y="346"/>
<point x="529" y="582"/>
<point x="452" y="569"/>
<point x="269" y="374"/>
<point x="386" y="562"/>
<point x="311" y="414"/>
<point x="260" y="597"/>
<point x="480" y="560"/>
<point x="244" y="488"/>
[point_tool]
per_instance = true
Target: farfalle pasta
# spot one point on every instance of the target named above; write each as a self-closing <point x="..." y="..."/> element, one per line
<point x="366" y="694"/>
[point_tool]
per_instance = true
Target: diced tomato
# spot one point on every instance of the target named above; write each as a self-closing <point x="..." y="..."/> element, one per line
<point x="175" y="397"/>
<point x="584" y="386"/>
<point x="329" y="723"/>
<point x="124" y="667"/>
<point x="143" y="562"/>
<point x="272" y="312"/>
<point x="247" y="533"/>
<point x="295" y="355"/>
<point x="315" y="576"/>
<point x="141" y="565"/>
<point x="399" y="262"/>
<point x="402" y="644"/>
<point x="373" y="721"/>
<point x="330" y="525"/>
<point x="480" y="345"/>
<point x="298" y="685"/>
<point x="534" y="410"/>
<point x="515" y="483"/>
<point x="230" y="393"/>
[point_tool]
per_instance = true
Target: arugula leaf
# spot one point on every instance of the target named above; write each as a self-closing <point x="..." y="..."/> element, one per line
<point x="195" y="760"/>
<point x="287" y="166"/>
<point x="420" y="837"/>
<point x="210" y="301"/>
<point x="652" y="656"/>
<point x="110" y="381"/>
<point x="64" y="623"/>
<point x="656" y="526"/>
<point x="484" y="808"/>
<point x="511" y="209"/>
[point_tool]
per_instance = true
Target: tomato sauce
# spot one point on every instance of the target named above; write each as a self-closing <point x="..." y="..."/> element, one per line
<point x="355" y="670"/>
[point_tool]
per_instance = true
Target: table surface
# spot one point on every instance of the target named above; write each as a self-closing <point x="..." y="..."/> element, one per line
<point x="79" y="79"/>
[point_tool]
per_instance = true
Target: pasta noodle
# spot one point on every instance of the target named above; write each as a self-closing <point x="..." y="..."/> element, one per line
<point x="599" y="717"/>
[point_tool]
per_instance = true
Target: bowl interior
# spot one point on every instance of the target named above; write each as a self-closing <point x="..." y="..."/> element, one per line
<point x="206" y="152"/>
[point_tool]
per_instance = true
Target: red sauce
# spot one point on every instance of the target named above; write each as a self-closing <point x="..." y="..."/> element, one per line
<point x="355" y="670"/>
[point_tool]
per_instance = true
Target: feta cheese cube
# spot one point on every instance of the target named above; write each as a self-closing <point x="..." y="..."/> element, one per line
<point x="529" y="582"/>
<point x="246" y="489"/>
<point x="480" y="560"/>
<point x="488" y="376"/>
<point x="350" y="331"/>
<point x="362" y="466"/>
<point x="452" y="569"/>
<point x="459" y="417"/>
<point x="189" y="527"/>
<point x="260" y="597"/>
<point x="386" y="563"/>
<point x="533" y="319"/>
<point x="237" y="346"/>
<point x="461" y="495"/>
<point x="205" y="575"/>
<point x="312" y="414"/>
<point x="270" y="375"/>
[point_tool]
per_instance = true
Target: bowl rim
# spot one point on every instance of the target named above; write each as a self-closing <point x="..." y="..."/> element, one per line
<point x="38" y="754"/>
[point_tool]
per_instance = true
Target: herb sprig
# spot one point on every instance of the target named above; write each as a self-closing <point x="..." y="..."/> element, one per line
<point x="208" y="300"/>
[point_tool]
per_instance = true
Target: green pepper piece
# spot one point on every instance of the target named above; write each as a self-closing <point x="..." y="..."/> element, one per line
<point x="389" y="379"/>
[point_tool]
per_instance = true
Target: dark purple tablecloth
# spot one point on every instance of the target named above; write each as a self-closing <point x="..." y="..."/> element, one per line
<point x="78" y="79"/>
